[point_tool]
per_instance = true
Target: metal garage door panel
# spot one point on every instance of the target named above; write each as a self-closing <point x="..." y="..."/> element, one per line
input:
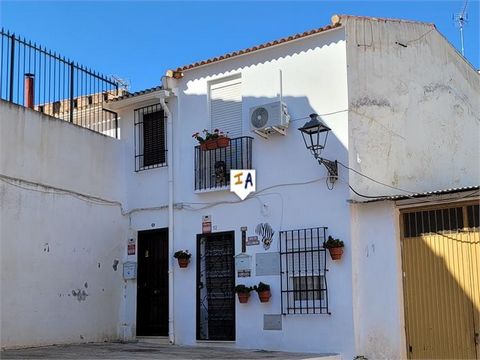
<point x="439" y="286"/>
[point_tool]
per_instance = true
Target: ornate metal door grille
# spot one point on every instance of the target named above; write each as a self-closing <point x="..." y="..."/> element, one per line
<point x="215" y="287"/>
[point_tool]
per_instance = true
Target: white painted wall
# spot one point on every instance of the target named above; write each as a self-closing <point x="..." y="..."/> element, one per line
<point x="377" y="282"/>
<point x="398" y="131"/>
<point x="314" y="80"/>
<point x="414" y="110"/>
<point x="57" y="250"/>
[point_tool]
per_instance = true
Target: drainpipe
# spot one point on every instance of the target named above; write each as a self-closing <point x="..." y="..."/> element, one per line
<point x="171" y="322"/>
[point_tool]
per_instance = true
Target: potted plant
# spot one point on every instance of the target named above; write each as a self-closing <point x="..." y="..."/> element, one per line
<point x="263" y="291"/>
<point x="183" y="257"/>
<point x="243" y="293"/>
<point x="223" y="140"/>
<point x="335" y="247"/>
<point x="212" y="140"/>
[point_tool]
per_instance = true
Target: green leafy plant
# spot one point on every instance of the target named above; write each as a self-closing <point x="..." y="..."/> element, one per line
<point x="207" y="135"/>
<point x="182" y="254"/>
<point x="261" y="287"/>
<point x="243" y="289"/>
<point x="333" y="243"/>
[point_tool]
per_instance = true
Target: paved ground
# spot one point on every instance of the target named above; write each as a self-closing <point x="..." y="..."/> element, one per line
<point x="148" y="351"/>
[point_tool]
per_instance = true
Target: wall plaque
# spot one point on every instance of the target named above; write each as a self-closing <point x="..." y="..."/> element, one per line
<point x="267" y="263"/>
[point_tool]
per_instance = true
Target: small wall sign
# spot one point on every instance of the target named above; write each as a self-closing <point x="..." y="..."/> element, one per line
<point x="242" y="182"/>
<point x="131" y="249"/>
<point x="253" y="240"/>
<point x="206" y="224"/>
<point x="244" y="273"/>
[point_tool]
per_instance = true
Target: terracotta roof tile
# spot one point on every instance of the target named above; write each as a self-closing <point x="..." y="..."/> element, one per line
<point x="257" y="47"/>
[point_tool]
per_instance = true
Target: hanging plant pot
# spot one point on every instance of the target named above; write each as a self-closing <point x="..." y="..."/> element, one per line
<point x="336" y="252"/>
<point x="211" y="144"/>
<point x="243" y="297"/>
<point x="223" y="142"/>
<point x="183" y="262"/>
<point x="203" y="146"/>
<point x="264" y="296"/>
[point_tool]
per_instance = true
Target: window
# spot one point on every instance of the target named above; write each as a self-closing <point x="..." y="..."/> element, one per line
<point x="56" y="107"/>
<point x="226" y="105"/>
<point x="302" y="267"/>
<point x="150" y="138"/>
<point x="308" y="287"/>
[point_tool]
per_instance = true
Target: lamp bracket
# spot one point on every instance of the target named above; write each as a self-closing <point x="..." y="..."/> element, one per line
<point x="332" y="168"/>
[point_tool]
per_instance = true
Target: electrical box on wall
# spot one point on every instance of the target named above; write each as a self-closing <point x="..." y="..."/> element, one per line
<point x="129" y="270"/>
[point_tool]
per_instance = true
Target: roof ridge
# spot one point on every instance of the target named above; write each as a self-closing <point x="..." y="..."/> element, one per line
<point x="385" y="19"/>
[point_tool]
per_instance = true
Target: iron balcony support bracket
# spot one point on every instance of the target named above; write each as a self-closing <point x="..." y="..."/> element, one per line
<point x="332" y="168"/>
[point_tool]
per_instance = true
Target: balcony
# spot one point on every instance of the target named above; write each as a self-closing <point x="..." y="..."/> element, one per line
<point x="212" y="167"/>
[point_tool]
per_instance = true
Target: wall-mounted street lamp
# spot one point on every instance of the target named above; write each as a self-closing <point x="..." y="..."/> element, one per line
<point x="315" y="134"/>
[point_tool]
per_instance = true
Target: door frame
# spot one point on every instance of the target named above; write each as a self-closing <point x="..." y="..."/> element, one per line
<point x="152" y="231"/>
<point x="197" y="292"/>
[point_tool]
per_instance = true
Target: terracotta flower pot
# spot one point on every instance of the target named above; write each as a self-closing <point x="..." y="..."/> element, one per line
<point x="211" y="144"/>
<point x="336" y="253"/>
<point x="264" y="296"/>
<point x="183" y="262"/>
<point x="203" y="146"/>
<point x="223" y="142"/>
<point x="243" y="297"/>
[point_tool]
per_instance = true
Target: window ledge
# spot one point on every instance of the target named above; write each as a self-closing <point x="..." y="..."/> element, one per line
<point x="216" y="189"/>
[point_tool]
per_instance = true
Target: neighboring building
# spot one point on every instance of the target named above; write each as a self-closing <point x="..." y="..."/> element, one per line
<point x="403" y="110"/>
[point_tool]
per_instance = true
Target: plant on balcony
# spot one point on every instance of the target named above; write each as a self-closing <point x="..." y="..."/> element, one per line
<point x="212" y="140"/>
<point x="335" y="247"/>
<point x="243" y="293"/>
<point x="183" y="257"/>
<point x="263" y="291"/>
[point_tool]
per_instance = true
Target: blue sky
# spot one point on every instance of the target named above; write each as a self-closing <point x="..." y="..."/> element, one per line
<point x="139" y="41"/>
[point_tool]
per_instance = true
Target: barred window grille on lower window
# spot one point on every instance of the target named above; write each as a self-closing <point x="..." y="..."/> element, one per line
<point x="303" y="267"/>
<point x="150" y="137"/>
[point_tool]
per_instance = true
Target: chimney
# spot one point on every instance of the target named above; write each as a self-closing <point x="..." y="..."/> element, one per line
<point x="29" y="90"/>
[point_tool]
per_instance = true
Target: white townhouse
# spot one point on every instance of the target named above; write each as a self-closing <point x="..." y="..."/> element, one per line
<point x="395" y="176"/>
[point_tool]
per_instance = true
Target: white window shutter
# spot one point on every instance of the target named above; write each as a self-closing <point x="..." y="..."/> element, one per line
<point x="226" y="107"/>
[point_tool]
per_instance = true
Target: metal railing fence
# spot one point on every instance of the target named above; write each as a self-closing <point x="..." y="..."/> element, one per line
<point x="35" y="77"/>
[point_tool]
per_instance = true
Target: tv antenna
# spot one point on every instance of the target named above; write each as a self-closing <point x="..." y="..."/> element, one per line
<point x="124" y="84"/>
<point x="461" y="18"/>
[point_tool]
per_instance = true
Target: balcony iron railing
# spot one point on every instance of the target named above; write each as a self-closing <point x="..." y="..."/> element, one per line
<point x="212" y="167"/>
<point x="45" y="81"/>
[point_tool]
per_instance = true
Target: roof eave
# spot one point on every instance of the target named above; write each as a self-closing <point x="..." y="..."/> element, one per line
<point x="259" y="48"/>
<point x="129" y="101"/>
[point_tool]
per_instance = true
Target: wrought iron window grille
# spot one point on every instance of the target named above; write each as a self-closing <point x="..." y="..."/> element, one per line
<point x="212" y="167"/>
<point x="303" y="280"/>
<point x="150" y="137"/>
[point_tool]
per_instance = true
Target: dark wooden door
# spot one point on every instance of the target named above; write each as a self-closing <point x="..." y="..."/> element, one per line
<point x="215" y="286"/>
<point x="152" y="283"/>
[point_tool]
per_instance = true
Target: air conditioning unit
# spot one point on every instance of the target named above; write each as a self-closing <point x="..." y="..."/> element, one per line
<point x="269" y="118"/>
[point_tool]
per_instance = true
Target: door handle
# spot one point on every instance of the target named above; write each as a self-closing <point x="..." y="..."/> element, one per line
<point x="476" y="338"/>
